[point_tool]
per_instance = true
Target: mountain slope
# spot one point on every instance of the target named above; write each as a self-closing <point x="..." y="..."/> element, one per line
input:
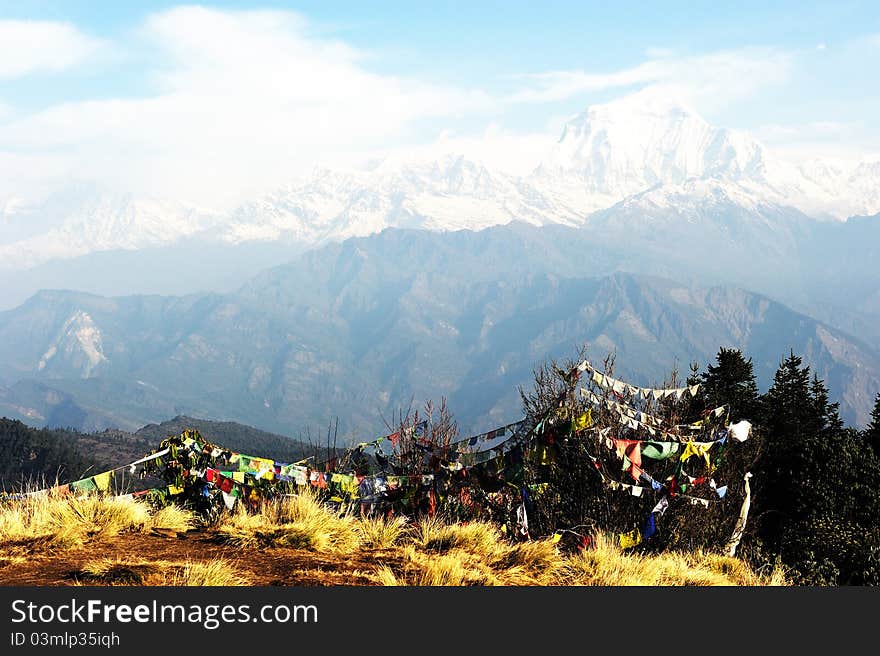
<point x="356" y="329"/>
<point x="232" y="435"/>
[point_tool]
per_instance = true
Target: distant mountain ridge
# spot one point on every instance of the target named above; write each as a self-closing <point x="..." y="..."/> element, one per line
<point x="607" y="154"/>
<point x="357" y="329"/>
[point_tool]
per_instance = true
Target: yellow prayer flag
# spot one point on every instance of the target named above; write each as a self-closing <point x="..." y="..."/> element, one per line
<point x="238" y="477"/>
<point x="175" y="489"/>
<point x="103" y="480"/>
<point x="584" y="421"/>
<point x="630" y="539"/>
<point x="699" y="449"/>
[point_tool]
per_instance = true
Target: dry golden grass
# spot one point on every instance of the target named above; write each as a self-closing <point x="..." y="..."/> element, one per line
<point x="70" y="521"/>
<point x="299" y="522"/>
<point x="120" y="571"/>
<point x="607" y="564"/>
<point x="430" y="552"/>
<point x="380" y="532"/>
<point x="480" y="538"/>
<point x="125" y="571"/>
<point x="212" y="573"/>
<point x="456" y="567"/>
<point x="174" y="518"/>
<point x="477" y="554"/>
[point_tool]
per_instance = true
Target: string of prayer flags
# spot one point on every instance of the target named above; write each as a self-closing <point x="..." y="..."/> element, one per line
<point x="620" y="387"/>
<point x="636" y="419"/>
<point x="475" y="442"/>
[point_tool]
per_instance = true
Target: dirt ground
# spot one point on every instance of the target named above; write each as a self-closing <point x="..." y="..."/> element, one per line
<point x="34" y="564"/>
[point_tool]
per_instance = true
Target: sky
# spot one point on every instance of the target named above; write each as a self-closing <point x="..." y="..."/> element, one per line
<point x="213" y="103"/>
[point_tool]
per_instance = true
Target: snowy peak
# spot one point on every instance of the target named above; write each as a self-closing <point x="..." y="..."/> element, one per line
<point x="607" y="154"/>
<point x="446" y="193"/>
<point x="83" y="219"/>
<point x="629" y="145"/>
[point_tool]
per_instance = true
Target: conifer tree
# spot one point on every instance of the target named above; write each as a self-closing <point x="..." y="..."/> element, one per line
<point x="815" y="492"/>
<point x="872" y="430"/>
<point x="826" y="414"/>
<point x="788" y="421"/>
<point x="788" y="403"/>
<point x="732" y="381"/>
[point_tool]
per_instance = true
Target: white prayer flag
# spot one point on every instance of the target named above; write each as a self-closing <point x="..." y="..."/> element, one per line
<point x="740" y="430"/>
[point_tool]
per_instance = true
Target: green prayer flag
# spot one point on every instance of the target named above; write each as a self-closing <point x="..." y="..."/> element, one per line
<point x="660" y="450"/>
<point x="85" y="485"/>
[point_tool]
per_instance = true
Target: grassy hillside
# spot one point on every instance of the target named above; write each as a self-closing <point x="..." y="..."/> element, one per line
<point x="298" y="541"/>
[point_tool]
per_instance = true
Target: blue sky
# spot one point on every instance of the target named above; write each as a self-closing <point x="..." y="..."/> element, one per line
<point x="231" y="97"/>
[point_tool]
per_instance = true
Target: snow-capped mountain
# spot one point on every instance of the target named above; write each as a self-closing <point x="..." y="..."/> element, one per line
<point x="83" y="219"/>
<point x="448" y="193"/>
<point x="607" y="154"/>
<point x="624" y="147"/>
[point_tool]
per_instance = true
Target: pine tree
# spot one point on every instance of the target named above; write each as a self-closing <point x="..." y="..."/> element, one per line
<point x="788" y="421"/>
<point x="815" y="492"/>
<point x="732" y="381"/>
<point x="872" y="430"/>
<point x="825" y="414"/>
<point x="788" y="404"/>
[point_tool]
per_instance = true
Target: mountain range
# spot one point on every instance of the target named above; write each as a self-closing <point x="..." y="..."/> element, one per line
<point x="609" y="155"/>
<point x="358" y="329"/>
<point x="643" y="229"/>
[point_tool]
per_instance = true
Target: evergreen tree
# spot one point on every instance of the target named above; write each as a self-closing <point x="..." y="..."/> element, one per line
<point x="826" y="415"/>
<point x="732" y="381"/>
<point x="872" y="430"/>
<point x="787" y="405"/>
<point x="815" y="496"/>
<point x="788" y="421"/>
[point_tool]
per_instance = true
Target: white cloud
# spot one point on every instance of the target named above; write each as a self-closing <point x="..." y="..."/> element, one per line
<point x="831" y="129"/>
<point x="236" y="102"/>
<point x="498" y="148"/>
<point x="560" y="85"/>
<point x="241" y="101"/>
<point x="835" y="140"/>
<point x="711" y="80"/>
<point x="28" y="47"/>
